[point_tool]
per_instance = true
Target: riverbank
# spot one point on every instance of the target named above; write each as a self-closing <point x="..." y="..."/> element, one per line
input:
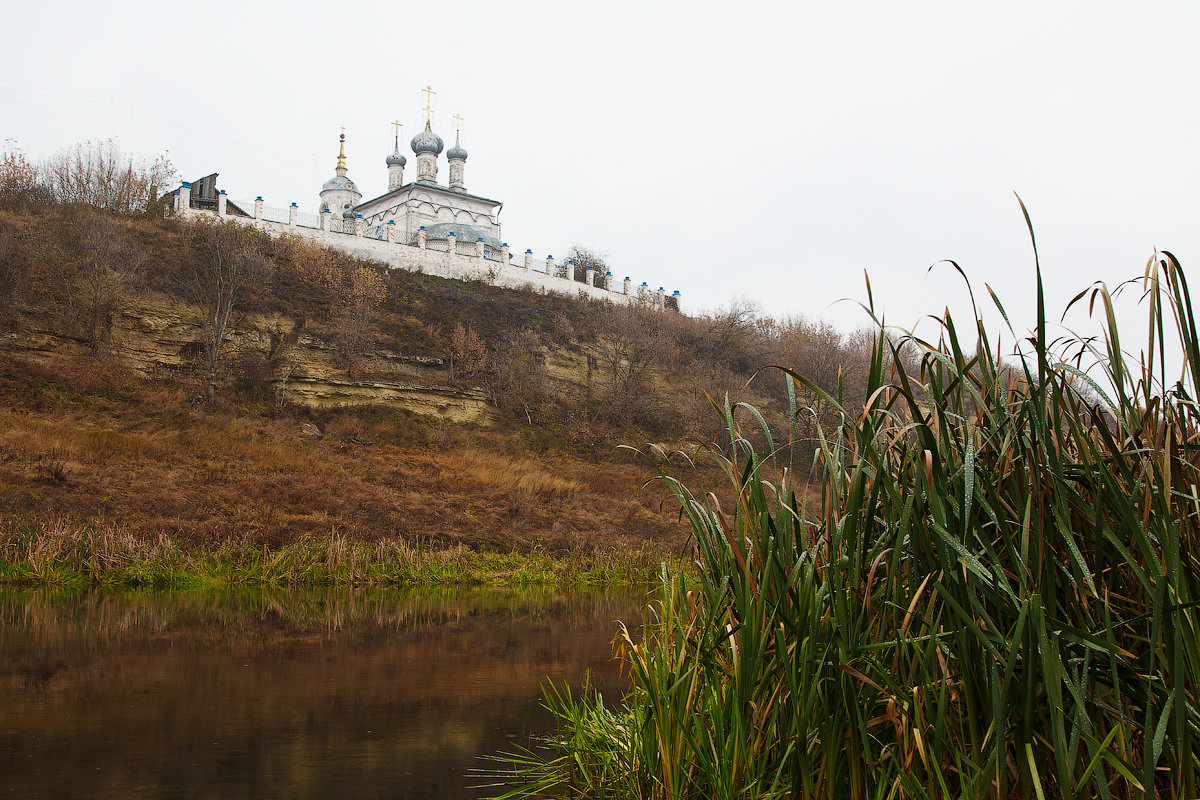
<point x="63" y="552"/>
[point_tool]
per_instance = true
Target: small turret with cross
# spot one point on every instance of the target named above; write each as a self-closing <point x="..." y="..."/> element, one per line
<point x="396" y="161"/>
<point x="457" y="156"/>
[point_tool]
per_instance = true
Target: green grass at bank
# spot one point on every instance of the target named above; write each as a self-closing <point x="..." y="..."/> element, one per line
<point x="62" y="552"/>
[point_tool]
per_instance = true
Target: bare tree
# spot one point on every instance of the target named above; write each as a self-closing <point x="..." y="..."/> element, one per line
<point x="468" y="353"/>
<point x="256" y="368"/>
<point x="363" y="291"/>
<point x="320" y="269"/>
<point x="21" y="186"/>
<point x="516" y="376"/>
<point x="353" y="293"/>
<point x="628" y="346"/>
<point x="815" y="349"/>
<point x="225" y="258"/>
<point x="585" y="257"/>
<point x="108" y="268"/>
<point x="100" y="175"/>
<point x="14" y="262"/>
<point x="734" y="336"/>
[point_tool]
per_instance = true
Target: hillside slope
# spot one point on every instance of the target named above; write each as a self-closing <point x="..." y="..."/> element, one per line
<point x="379" y="405"/>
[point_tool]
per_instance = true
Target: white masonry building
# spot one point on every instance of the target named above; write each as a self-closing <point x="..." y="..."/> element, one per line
<point x="421" y="226"/>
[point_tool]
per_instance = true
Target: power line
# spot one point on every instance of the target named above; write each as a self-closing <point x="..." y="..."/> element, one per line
<point x="74" y="102"/>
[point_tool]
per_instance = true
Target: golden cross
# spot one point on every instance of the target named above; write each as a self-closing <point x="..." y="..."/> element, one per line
<point x="429" y="93"/>
<point x="396" y="126"/>
<point x="457" y="122"/>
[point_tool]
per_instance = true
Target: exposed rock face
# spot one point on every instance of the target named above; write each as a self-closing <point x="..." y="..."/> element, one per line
<point x="450" y="403"/>
<point x="156" y="335"/>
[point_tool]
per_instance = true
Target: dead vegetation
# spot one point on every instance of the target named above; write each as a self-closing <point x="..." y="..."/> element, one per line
<point x="570" y="380"/>
<point x="98" y="445"/>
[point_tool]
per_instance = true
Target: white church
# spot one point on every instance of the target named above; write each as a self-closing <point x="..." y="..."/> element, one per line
<point x="422" y="226"/>
<point x="440" y="209"/>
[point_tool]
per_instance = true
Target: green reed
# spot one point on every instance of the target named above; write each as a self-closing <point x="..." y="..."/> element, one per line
<point x="995" y="596"/>
<point x="66" y="551"/>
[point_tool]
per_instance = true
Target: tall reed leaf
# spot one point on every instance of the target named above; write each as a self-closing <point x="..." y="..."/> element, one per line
<point x="995" y="599"/>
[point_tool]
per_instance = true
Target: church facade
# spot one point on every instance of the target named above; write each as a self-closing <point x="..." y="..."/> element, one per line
<point x="423" y="203"/>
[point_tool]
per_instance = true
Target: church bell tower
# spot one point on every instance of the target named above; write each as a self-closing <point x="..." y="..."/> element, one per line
<point x="340" y="194"/>
<point x="427" y="145"/>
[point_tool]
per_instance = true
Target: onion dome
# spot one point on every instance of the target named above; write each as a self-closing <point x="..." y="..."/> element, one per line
<point x="395" y="159"/>
<point x="458" y="152"/>
<point x="427" y="142"/>
<point x="339" y="182"/>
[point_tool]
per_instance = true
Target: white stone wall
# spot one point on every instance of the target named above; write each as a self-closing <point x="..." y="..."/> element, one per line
<point x="433" y="262"/>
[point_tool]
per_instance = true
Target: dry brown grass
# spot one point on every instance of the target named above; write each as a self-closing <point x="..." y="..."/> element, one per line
<point x="140" y="465"/>
<point x="499" y="472"/>
<point x="30" y="436"/>
<point x="92" y="549"/>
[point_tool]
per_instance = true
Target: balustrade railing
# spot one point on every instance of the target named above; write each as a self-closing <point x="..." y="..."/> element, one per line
<point x="341" y="225"/>
<point x="272" y="214"/>
<point x="305" y="220"/>
<point x="247" y="207"/>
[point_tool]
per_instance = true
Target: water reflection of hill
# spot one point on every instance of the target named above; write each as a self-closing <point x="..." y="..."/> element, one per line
<point x="266" y="694"/>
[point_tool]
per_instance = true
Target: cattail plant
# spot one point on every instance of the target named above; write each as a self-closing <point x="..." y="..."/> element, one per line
<point x="994" y="597"/>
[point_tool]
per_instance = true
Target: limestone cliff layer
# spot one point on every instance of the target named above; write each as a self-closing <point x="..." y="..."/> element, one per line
<point x="157" y="336"/>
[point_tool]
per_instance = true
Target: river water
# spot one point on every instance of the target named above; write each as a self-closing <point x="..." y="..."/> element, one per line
<point x="286" y="694"/>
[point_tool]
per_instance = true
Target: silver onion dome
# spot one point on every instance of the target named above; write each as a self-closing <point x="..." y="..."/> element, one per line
<point x="396" y="160"/>
<point x="427" y="141"/>
<point x="339" y="182"/>
<point x="457" y="152"/>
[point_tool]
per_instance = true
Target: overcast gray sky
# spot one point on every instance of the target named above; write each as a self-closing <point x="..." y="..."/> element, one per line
<point x="771" y="150"/>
